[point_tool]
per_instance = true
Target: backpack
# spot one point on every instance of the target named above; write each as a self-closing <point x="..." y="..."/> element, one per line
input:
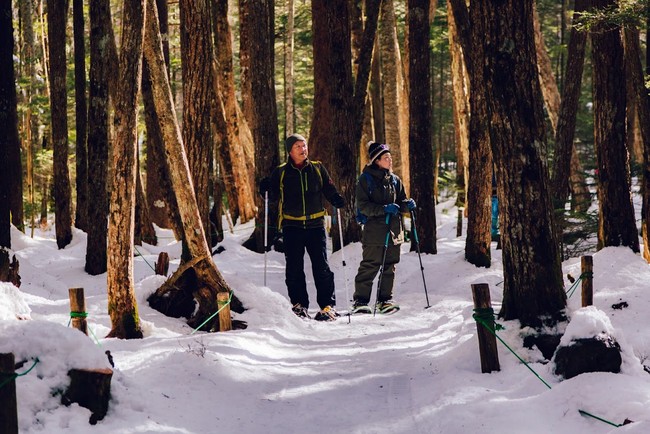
<point x="361" y="218"/>
<point x="283" y="167"/>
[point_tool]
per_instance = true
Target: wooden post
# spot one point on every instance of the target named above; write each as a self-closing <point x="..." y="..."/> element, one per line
<point x="162" y="265"/>
<point x="8" y="403"/>
<point x="78" y="309"/>
<point x="587" y="281"/>
<point x="225" y="323"/>
<point x="487" y="342"/>
<point x="459" y="223"/>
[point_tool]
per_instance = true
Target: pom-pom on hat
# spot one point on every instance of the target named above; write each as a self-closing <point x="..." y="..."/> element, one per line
<point x="288" y="143"/>
<point x="376" y="150"/>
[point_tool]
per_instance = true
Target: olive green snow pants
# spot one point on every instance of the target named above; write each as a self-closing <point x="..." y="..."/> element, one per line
<point x="368" y="268"/>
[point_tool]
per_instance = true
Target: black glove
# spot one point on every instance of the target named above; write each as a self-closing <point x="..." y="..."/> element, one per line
<point x="265" y="185"/>
<point x="337" y="201"/>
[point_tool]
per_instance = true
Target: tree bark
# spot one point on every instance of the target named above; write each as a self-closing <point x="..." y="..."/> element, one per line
<point x="339" y="103"/>
<point x="289" y="86"/>
<point x="480" y="165"/>
<point x="533" y="287"/>
<point x="81" y="117"/>
<point x="263" y="119"/>
<point x="642" y="98"/>
<point x="122" y="305"/>
<point x="616" y="225"/>
<point x="460" y="107"/>
<point x="420" y="132"/>
<point x="9" y="140"/>
<point x="566" y="119"/>
<point x="144" y="230"/>
<point x="97" y="229"/>
<point x="196" y="52"/>
<point x="56" y="25"/>
<point x="208" y="278"/>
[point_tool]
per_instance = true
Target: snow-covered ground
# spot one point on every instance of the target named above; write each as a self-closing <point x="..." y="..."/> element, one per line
<point x="417" y="371"/>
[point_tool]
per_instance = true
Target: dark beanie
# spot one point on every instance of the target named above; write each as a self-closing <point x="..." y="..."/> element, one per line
<point x="288" y="143"/>
<point x="376" y="150"/>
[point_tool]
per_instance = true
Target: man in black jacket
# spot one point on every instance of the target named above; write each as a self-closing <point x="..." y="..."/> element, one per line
<point x="299" y="185"/>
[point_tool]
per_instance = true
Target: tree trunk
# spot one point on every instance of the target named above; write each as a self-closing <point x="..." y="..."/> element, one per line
<point x="162" y="203"/>
<point x="56" y="25"/>
<point x="565" y="152"/>
<point x="642" y="98"/>
<point x="533" y="286"/>
<point x="338" y="106"/>
<point x="98" y="138"/>
<point x="460" y="107"/>
<point x="144" y="230"/>
<point x="289" y="87"/>
<point x="208" y="280"/>
<point x="81" y="117"/>
<point x="420" y="133"/>
<point x="259" y="18"/>
<point x="9" y="140"/>
<point x="196" y="52"/>
<point x="616" y="225"/>
<point x="31" y="123"/>
<point x="122" y="305"/>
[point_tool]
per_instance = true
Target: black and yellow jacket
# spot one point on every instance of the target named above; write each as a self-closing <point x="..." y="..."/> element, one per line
<point x="300" y="193"/>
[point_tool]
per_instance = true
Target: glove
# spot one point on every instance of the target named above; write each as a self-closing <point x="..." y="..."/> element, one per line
<point x="391" y="208"/>
<point x="337" y="201"/>
<point x="265" y="185"/>
<point x="410" y="204"/>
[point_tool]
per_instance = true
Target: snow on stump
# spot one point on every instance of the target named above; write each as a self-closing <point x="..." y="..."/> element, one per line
<point x="91" y="389"/>
<point x="588" y="345"/>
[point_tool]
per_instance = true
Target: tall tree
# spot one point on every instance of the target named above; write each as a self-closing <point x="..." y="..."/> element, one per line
<point x="339" y="102"/>
<point x="207" y="279"/>
<point x="9" y="140"/>
<point x="97" y="229"/>
<point x="616" y="224"/>
<point x="392" y="93"/>
<point x="263" y="121"/>
<point x="480" y="167"/>
<point x="642" y="98"/>
<point x="420" y="130"/>
<point x="533" y="286"/>
<point x="81" y="116"/>
<point x="31" y="123"/>
<point x="122" y="305"/>
<point x="289" y="85"/>
<point x="196" y="62"/>
<point x="566" y="119"/>
<point x="162" y="204"/>
<point x="56" y="25"/>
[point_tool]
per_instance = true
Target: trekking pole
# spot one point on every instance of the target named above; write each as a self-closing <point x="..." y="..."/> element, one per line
<point x="266" y="229"/>
<point x="345" y="270"/>
<point x="417" y="243"/>
<point x="383" y="263"/>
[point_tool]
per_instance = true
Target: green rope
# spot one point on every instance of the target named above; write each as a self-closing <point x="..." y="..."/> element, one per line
<point x="74" y="314"/>
<point x="574" y="286"/>
<point x="220" y="303"/>
<point x="483" y="315"/>
<point x="15" y="375"/>
<point x="145" y="259"/>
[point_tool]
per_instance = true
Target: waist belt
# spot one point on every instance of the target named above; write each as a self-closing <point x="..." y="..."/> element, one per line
<point x="305" y="217"/>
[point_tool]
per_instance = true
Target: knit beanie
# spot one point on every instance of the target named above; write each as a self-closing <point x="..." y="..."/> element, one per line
<point x="288" y="143"/>
<point x="376" y="150"/>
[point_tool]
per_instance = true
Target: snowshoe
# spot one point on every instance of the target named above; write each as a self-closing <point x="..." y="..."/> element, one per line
<point x="300" y="311"/>
<point x="326" y="314"/>
<point x="387" y="307"/>
<point x="360" y="307"/>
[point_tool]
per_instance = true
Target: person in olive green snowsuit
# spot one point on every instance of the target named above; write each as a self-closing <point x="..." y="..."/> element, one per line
<point x="380" y="197"/>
